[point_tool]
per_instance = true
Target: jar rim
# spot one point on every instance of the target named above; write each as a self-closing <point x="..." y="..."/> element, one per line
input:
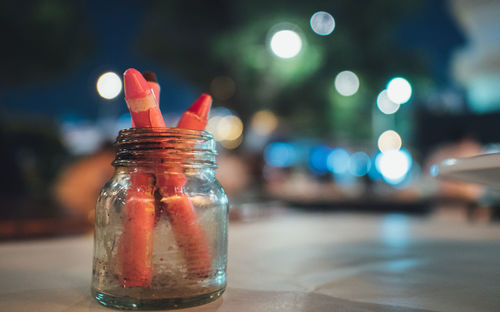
<point x="165" y="147"/>
<point x="160" y="131"/>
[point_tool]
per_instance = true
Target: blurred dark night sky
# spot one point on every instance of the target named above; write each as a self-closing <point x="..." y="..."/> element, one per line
<point x="114" y="27"/>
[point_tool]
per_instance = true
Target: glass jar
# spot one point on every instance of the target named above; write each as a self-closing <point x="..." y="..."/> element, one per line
<point x="161" y="223"/>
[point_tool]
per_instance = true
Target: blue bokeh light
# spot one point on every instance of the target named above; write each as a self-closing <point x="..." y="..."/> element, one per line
<point x="318" y="159"/>
<point x="280" y="154"/>
<point x="434" y="170"/>
<point x="373" y="173"/>
<point x="338" y="161"/>
<point x="359" y="164"/>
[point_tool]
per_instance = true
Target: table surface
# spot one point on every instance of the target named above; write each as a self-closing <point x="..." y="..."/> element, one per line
<point x="296" y="262"/>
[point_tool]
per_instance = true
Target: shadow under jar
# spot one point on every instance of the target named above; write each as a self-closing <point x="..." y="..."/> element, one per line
<point x="160" y="238"/>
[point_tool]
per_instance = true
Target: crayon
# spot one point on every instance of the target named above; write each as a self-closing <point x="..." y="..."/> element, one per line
<point x="135" y="247"/>
<point x="179" y="208"/>
<point x="141" y="101"/>
<point x="153" y="84"/>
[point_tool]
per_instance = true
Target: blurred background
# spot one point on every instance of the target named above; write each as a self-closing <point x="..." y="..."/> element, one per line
<point x="318" y="105"/>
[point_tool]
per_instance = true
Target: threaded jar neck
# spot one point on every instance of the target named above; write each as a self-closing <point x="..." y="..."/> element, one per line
<point x="167" y="147"/>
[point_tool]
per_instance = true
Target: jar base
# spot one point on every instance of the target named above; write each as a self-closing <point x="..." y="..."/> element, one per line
<point x="124" y="303"/>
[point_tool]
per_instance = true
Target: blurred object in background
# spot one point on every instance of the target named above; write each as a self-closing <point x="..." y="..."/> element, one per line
<point x="233" y="174"/>
<point x="78" y="186"/>
<point x="476" y="65"/>
<point x="456" y="200"/>
<point x="464" y="146"/>
<point x="32" y="155"/>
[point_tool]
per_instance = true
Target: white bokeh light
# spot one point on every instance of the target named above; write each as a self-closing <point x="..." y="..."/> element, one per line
<point x="109" y="85"/>
<point x="322" y="23"/>
<point x="389" y="140"/>
<point x="385" y="105"/>
<point x="226" y="127"/>
<point x="346" y="83"/>
<point x="393" y="165"/>
<point x="399" y="90"/>
<point x="229" y="128"/>
<point x="286" y="44"/>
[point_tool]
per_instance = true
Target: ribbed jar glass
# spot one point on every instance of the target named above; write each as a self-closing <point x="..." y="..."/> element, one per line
<point x="160" y="237"/>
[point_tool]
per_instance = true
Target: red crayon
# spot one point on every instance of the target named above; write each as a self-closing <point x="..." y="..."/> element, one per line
<point x="187" y="231"/>
<point x="153" y="84"/>
<point x="180" y="210"/>
<point x="196" y="116"/>
<point x="141" y="101"/>
<point x="136" y="245"/>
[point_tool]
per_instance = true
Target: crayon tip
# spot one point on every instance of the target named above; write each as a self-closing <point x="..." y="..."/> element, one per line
<point x="135" y="85"/>
<point x="201" y="107"/>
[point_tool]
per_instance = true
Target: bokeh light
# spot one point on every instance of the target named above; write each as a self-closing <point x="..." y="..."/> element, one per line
<point x="359" y="164"/>
<point x="228" y="128"/>
<point x="346" y="83"/>
<point x="109" y="85"/>
<point x="318" y="159"/>
<point x="81" y="137"/>
<point x="399" y="90"/>
<point x="434" y="170"/>
<point x="232" y="144"/>
<point x="385" y="105"/>
<point x="212" y="124"/>
<point x="338" y="161"/>
<point x="389" y="140"/>
<point x="264" y="122"/>
<point x="280" y="154"/>
<point x="286" y="43"/>
<point x="322" y="23"/>
<point x="373" y="173"/>
<point x="394" y="165"/>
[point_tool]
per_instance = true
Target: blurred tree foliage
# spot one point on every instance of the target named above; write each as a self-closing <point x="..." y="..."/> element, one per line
<point x="41" y="39"/>
<point x="204" y="39"/>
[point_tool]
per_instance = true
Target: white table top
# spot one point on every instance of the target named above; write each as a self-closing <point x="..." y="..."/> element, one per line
<point x="298" y="262"/>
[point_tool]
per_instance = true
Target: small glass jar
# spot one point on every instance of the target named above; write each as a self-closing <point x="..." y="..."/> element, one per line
<point x="160" y="237"/>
